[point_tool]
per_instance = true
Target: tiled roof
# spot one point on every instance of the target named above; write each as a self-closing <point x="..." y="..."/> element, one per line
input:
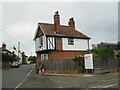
<point x="4" y="49"/>
<point x="65" y="31"/>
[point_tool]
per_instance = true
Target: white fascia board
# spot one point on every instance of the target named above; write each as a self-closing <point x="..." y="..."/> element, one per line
<point x="41" y="29"/>
<point x="37" y="31"/>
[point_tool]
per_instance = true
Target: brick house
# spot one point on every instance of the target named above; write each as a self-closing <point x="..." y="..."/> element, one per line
<point x="55" y="41"/>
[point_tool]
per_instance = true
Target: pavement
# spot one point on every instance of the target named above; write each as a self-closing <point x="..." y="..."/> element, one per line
<point x="50" y="80"/>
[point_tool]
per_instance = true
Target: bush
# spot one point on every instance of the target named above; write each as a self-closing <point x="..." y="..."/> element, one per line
<point x="103" y="53"/>
<point x="6" y="57"/>
<point x="32" y="59"/>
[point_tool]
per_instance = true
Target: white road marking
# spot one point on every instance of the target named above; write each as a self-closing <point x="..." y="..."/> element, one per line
<point x="23" y="80"/>
<point x="109" y="86"/>
<point x="88" y="75"/>
<point x="60" y="87"/>
<point x="96" y="87"/>
<point x="104" y="86"/>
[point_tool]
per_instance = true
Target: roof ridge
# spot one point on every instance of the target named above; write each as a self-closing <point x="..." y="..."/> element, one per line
<point x="44" y="23"/>
<point x="51" y="24"/>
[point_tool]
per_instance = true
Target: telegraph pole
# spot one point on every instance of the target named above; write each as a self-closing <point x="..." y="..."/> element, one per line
<point x="18" y="49"/>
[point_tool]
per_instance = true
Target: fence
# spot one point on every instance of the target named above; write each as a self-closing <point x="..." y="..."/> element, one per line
<point x="61" y="66"/>
<point x="105" y="65"/>
<point x="70" y="66"/>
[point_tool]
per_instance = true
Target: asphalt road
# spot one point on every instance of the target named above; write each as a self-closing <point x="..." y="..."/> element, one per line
<point x="100" y="81"/>
<point x="44" y="81"/>
<point x="11" y="77"/>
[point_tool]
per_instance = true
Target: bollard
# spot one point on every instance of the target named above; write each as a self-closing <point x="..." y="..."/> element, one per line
<point x="43" y="71"/>
<point x="39" y="72"/>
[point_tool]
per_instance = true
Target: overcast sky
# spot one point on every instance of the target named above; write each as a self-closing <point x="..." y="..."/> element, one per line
<point x="98" y="20"/>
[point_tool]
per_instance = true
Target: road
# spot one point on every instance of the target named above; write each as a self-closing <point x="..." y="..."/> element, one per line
<point x="44" y="81"/>
<point x="101" y="81"/>
<point x="11" y="77"/>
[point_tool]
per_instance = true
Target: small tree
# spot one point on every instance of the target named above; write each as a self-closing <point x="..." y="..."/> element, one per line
<point x="79" y="60"/>
<point x="103" y="52"/>
<point x="6" y="57"/>
<point x="32" y="58"/>
<point x="23" y="58"/>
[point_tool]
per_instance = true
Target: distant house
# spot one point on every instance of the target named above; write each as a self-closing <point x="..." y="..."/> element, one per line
<point x="114" y="46"/>
<point x="6" y="54"/>
<point x="4" y="50"/>
<point x="24" y="58"/>
<point x="55" y="41"/>
<point x="17" y="53"/>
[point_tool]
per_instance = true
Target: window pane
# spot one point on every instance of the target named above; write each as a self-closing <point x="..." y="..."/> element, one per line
<point x="70" y="41"/>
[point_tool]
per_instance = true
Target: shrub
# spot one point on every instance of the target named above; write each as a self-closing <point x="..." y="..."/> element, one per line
<point x="6" y="57"/>
<point x="103" y="53"/>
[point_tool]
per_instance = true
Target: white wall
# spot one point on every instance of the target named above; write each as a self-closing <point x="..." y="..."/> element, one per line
<point x="51" y="43"/>
<point x="79" y="44"/>
<point x="37" y="43"/>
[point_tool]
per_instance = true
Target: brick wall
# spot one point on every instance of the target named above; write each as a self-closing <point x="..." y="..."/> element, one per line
<point x="58" y="43"/>
<point x="6" y="64"/>
<point x="65" y="54"/>
<point x="38" y="59"/>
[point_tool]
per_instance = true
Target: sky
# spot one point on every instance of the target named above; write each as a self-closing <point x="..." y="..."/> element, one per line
<point x="98" y="20"/>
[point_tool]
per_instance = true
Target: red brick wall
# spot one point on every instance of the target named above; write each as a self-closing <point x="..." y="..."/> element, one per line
<point x="65" y="54"/>
<point x="6" y="64"/>
<point x="38" y="58"/>
<point x="58" y="43"/>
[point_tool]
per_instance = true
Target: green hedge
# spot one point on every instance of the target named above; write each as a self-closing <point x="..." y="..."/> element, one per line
<point x="6" y="57"/>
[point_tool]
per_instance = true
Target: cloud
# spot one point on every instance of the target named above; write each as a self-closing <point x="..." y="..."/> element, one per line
<point x="97" y="20"/>
<point x="20" y="32"/>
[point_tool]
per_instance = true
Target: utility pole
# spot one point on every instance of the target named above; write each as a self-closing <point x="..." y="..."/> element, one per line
<point x="18" y="49"/>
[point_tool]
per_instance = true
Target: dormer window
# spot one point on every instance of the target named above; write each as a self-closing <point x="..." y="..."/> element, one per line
<point x="70" y="41"/>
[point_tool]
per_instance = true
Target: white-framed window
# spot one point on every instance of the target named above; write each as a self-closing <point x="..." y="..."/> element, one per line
<point x="70" y="41"/>
<point x="44" y="56"/>
<point x="41" y="42"/>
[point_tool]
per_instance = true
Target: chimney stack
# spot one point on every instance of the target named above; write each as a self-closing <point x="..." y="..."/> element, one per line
<point x="14" y="48"/>
<point x="57" y="22"/>
<point x="71" y="23"/>
<point x="4" y="46"/>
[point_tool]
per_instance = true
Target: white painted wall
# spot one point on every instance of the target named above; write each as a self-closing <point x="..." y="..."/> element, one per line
<point x="79" y="44"/>
<point x="47" y="43"/>
<point x="51" y="43"/>
<point x="37" y="44"/>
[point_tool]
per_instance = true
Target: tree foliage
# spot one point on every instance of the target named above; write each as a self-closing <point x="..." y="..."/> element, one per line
<point x="6" y="57"/>
<point x="103" y="52"/>
<point x="32" y="58"/>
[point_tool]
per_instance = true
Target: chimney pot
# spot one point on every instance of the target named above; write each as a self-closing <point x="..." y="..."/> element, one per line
<point x="4" y="45"/>
<point x="56" y="13"/>
<point x="71" y="23"/>
<point x="14" y="48"/>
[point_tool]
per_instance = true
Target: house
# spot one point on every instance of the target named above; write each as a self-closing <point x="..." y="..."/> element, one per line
<point x="4" y="50"/>
<point x="55" y="41"/>
<point x="113" y="46"/>
<point x="17" y="53"/>
<point x="6" y="56"/>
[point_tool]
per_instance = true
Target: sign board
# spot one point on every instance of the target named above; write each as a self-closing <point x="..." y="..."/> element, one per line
<point x="88" y="61"/>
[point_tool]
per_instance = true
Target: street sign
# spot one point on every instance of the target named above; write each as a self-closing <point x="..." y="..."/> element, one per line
<point x="88" y="61"/>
